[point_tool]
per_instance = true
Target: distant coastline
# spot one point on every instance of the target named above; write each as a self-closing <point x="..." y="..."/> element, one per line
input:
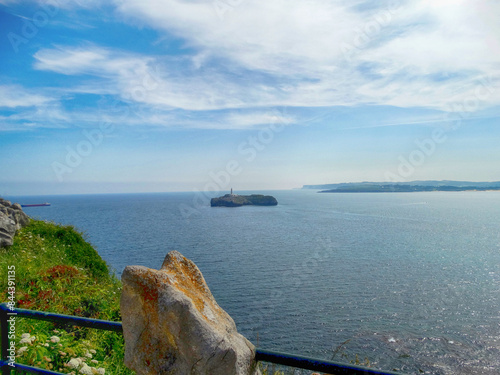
<point x="405" y="187"/>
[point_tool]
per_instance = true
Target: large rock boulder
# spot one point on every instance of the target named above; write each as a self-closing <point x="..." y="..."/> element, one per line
<point x="173" y="325"/>
<point x="12" y="218"/>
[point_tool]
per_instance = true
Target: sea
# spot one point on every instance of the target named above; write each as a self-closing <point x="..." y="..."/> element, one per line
<point x="398" y="281"/>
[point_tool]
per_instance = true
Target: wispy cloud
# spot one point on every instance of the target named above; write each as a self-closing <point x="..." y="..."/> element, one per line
<point x="263" y="54"/>
<point x="160" y="81"/>
<point x="14" y="96"/>
<point x="405" y="46"/>
<point x="90" y="60"/>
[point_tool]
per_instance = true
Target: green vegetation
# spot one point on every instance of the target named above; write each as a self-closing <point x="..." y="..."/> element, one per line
<point x="262" y="200"/>
<point x="58" y="271"/>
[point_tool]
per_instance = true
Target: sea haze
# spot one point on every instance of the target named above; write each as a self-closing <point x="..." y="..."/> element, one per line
<point x="412" y="280"/>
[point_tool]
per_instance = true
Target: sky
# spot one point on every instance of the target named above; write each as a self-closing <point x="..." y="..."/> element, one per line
<point x="204" y="95"/>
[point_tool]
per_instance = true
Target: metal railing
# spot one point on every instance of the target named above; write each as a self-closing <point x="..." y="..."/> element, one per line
<point x="6" y="365"/>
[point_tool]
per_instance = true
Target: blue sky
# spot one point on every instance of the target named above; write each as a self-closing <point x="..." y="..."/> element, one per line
<point x="138" y="96"/>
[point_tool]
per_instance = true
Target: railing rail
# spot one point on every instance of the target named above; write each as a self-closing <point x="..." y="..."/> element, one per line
<point x="284" y="359"/>
<point x="326" y="367"/>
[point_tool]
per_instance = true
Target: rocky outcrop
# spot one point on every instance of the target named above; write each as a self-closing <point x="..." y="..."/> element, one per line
<point x="173" y="325"/>
<point x="12" y="218"/>
<point x="233" y="200"/>
<point x="7" y="230"/>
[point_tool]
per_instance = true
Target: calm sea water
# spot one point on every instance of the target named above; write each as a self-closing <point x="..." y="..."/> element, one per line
<point x="409" y="280"/>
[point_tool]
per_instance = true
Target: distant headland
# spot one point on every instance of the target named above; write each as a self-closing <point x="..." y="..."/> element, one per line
<point x="235" y="200"/>
<point x="404" y="187"/>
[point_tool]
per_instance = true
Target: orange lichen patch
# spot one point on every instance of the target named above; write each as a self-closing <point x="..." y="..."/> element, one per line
<point x="188" y="279"/>
<point x="170" y="336"/>
<point x="181" y="274"/>
<point x="149" y="283"/>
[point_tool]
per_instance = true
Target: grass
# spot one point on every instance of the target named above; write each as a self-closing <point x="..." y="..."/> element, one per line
<point x="58" y="271"/>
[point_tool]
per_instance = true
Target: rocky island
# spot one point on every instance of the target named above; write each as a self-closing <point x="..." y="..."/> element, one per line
<point x="235" y="200"/>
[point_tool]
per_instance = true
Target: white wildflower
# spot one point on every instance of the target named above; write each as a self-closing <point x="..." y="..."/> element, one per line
<point x="22" y="350"/>
<point x="26" y="338"/>
<point x="86" y="370"/>
<point x="46" y="345"/>
<point x="98" y="371"/>
<point x="55" y="339"/>
<point x="74" y="363"/>
<point x="95" y="361"/>
<point x="92" y="351"/>
<point x="87" y="354"/>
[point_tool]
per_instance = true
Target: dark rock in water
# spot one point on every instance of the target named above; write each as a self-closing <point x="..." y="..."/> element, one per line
<point x="12" y="218"/>
<point x="233" y="200"/>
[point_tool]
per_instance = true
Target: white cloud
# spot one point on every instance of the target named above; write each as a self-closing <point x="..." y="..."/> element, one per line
<point x="262" y="54"/>
<point x="258" y="118"/>
<point x="177" y="82"/>
<point x="154" y="80"/>
<point x="277" y="36"/>
<point x="45" y="116"/>
<point x="14" y="96"/>
<point x="453" y="36"/>
<point x="405" y="47"/>
<point x="90" y="60"/>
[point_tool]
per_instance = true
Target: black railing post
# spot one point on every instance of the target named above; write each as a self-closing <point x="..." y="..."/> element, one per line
<point x="4" y="325"/>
